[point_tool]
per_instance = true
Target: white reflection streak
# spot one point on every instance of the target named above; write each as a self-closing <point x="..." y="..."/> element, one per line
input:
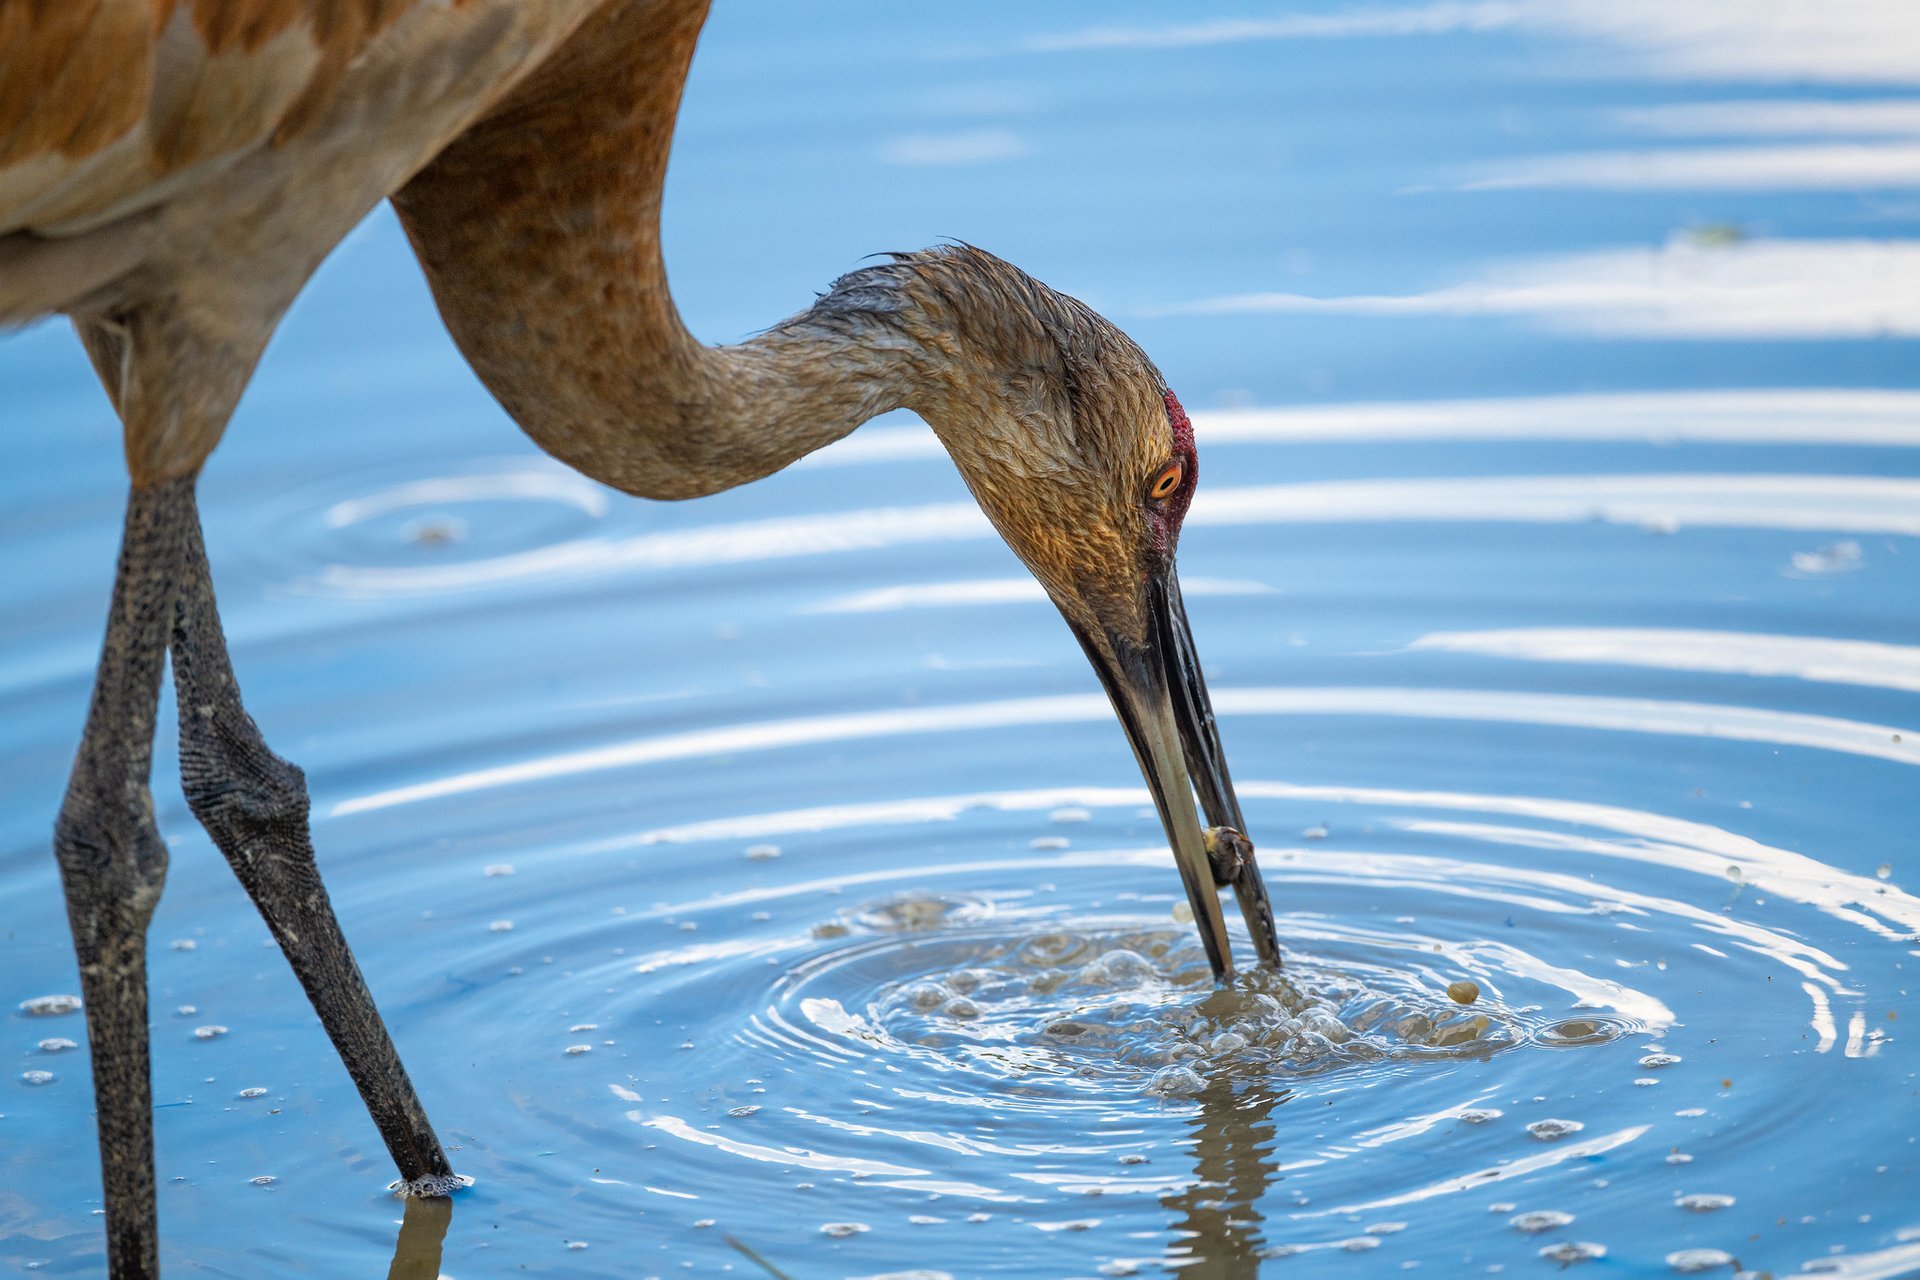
<point x="798" y="1156"/>
<point x="1897" y="1263"/>
<point x="1844" y="166"/>
<point x="523" y="483"/>
<point x="1757" y="289"/>
<point x="1630" y="715"/>
<point x="1822" y="1021"/>
<point x="1838" y="503"/>
<point x="1819" y="658"/>
<point x="988" y="591"/>
<point x="803" y="1158"/>
<point x="1783" y="40"/>
<point x="1785" y="415"/>
<point x="1862" y="504"/>
<point x="1778" y="117"/>
<point x="1560" y="1154"/>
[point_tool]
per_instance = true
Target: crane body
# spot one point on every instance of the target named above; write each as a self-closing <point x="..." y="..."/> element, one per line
<point x="171" y="174"/>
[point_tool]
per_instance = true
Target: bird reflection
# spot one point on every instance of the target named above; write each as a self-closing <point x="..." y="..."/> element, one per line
<point x="1217" y="1228"/>
<point x="423" y="1230"/>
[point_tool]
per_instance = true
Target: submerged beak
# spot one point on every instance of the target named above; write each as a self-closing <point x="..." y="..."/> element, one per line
<point x="1161" y="699"/>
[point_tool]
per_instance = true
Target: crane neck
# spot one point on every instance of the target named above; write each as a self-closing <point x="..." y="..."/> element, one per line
<point x="539" y="231"/>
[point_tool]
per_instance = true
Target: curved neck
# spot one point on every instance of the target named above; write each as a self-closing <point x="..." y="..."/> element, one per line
<point x="539" y="230"/>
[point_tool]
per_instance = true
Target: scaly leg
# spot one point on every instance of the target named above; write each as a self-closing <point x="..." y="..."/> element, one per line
<point x="113" y="864"/>
<point x="254" y="805"/>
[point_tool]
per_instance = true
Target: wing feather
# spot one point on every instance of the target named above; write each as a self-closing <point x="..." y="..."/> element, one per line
<point x="108" y="106"/>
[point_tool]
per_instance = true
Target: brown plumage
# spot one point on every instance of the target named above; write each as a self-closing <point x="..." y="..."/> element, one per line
<point x="172" y="171"/>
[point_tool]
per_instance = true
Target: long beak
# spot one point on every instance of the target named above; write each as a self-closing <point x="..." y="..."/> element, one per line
<point x="1161" y="699"/>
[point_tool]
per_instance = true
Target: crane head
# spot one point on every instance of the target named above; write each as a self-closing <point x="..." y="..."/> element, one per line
<point x="1084" y="461"/>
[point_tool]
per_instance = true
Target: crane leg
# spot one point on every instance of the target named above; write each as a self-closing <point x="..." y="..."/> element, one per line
<point x="113" y="864"/>
<point x="254" y="806"/>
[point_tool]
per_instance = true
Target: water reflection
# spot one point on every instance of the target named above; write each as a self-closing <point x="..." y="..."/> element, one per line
<point x="1218" y="1227"/>
<point x="423" y="1233"/>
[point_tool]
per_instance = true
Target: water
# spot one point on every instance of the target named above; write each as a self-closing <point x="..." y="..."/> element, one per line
<point x="765" y="877"/>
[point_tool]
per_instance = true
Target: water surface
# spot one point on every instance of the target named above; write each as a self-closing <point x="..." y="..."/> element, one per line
<point x="766" y="875"/>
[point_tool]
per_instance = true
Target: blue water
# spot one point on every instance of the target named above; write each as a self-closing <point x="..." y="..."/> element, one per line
<point x="1555" y="566"/>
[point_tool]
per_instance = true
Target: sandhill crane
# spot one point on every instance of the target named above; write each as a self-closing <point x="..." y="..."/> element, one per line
<point x="172" y="171"/>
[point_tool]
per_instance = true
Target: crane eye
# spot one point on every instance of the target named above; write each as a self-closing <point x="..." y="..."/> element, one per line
<point x="1165" y="482"/>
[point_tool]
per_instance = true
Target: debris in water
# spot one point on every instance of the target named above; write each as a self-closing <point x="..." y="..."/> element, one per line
<point x="1688" y="1261"/>
<point x="1573" y="1251"/>
<point x="1553" y="1130"/>
<point x="1704" y="1202"/>
<point x="1537" y="1220"/>
<point x="49" y="1006"/>
<point x="844" y="1230"/>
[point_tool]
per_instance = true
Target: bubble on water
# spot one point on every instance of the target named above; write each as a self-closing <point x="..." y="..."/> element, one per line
<point x="1386" y="1228"/>
<point x="581" y="1028"/>
<point x="49" y="1006"/>
<point x="1177" y="1082"/>
<point x="1578" y="1031"/>
<point x="917" y="913"/>
<point x="1551" y="1130"/>
<point x="36" y="1078"/>
<point x="1573" y="1251"/>
<point x="1645" y="1082"/>
<point x="1884" y="871"/>
<point x="575" y="1050"/>
<point x="184" y="944"/>
<point x="253" y="1093"/>
<point x="1679" y="1157"/>
<point x="500" y="926"/>
<point x="1704" y="1202"/>
<point x="577" y="1244"/>
<point x="1318" y="831"/>
<point x="1050" y="842"/>
<point x="499" y="869"/>
<point x="57" y="1044"/>
<point x="1133" y="1157"/>
<point x="1183" y="913"/>
<point x="1654" y="1060"/>
<point x="1537" y="1220"/>
<point x="212" y="1031"/>
<point x="1140" y="1002"/>
<point x="1119" y="968"/>
<point x="843" y="1230"/>
<point x="1070" y="813"/>
<point x="924" y="1220"/>
<point x="1360" y="1244"/>
<point x="185" y="1010"/>
<point x="1688" y="1261"/>
<point x="264" y="1180"/>
<point x="741" y="1113"/>
<point x="1480" y="1115"/>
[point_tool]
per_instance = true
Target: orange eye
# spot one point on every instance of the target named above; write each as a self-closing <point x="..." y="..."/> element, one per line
<point x="1166" y="482"/>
